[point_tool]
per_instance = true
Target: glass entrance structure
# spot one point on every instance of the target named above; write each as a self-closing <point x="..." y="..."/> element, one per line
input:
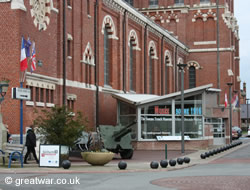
<point x="160" y="116"/>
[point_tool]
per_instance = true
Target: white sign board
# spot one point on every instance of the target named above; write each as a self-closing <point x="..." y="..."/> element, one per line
<point x="171" y="138"/>
<point x="21" y="93"/>
<point x="49" y="156"/>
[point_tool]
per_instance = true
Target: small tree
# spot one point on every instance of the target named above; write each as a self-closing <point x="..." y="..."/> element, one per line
<point x="59" y="126"/>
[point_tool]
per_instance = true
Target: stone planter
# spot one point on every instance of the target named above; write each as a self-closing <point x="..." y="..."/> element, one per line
<point x="97" y="158"/>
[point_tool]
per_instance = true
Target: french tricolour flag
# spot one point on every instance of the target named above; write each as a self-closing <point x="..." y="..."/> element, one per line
<point x="23" y="60"/>
<point x="33" y="58"/>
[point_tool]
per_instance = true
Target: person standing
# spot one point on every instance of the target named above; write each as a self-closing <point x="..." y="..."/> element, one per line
<point x="31" y="144"/>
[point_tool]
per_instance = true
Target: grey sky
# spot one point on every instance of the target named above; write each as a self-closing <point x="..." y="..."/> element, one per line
<point x="242" y="13"/>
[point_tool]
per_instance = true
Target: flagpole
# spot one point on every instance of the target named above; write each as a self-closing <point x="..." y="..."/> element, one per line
<point x="21" y="117"/>
<point x="24" y="61"/>
<point x="230" y="110"/>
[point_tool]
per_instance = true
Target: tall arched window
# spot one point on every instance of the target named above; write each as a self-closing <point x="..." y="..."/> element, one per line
<point x="167" y="61"/>
<point x="131" y="67"/>
<point x="151" y="70"/>
<point x="192" y="77"/>
<point x="205" y="1"/>
<point x="106" y="58"/>
<point x="179" y="1"/>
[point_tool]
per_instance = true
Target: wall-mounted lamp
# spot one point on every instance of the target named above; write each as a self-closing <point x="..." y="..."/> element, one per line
<point x="39" y="63"/>
<point x="3" y="89"/>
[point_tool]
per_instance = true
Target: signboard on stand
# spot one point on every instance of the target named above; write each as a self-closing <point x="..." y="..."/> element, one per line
<point x="21" y="93"/>
<point x="49" y="155"/>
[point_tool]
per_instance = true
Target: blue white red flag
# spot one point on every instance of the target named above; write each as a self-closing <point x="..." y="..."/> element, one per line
<point x="27" y="44"/>
<point x="33" y="58"/>
<point x="23" y="59"/>
<point x="235" y="101"/>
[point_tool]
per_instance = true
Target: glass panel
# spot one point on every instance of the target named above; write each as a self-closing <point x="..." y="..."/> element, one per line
<point x="192" y="77"/>
<point x="193" y="126"/>
<point x="131" y="2"/>
<point x="150" y="73"/>
<point x="131" y="66"/>
<point x="47" y="95"/>
<point x="41" y="95"/>
<point x="166" y="75"/>
<point x="106" y="57"/>
<point x="205" y="1"/>
<point x="179" y="1"/>
<point x="37" y="94"/>
<point x="156" y="126"/>
<point x="153" y="2"/>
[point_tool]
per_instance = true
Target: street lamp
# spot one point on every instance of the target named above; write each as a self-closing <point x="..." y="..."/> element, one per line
<point x="3" y="90"/>
<point x="181" y="68"/>
<point x="230" y="111"/>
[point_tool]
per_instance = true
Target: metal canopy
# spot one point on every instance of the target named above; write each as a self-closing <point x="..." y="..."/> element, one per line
<point x="143" y="99"/>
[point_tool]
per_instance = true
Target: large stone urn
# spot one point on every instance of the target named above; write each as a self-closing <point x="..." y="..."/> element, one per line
<point x="97" y="158"/>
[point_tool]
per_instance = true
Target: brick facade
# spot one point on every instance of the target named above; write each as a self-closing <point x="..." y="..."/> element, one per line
<point x="124" y="24"/>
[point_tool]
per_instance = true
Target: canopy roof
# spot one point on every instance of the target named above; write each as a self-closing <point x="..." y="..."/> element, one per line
<point x="142" y="99"/>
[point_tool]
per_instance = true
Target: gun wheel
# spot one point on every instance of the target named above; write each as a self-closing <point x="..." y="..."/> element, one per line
<point x="127" y="153"/>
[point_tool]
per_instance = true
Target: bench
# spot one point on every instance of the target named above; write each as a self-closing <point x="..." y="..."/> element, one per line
<point x="12" y="151"/>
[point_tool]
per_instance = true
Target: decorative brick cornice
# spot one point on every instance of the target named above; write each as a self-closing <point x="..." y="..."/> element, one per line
<point x="204" y="15"/>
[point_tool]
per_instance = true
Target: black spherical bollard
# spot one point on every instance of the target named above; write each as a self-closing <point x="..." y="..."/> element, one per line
<point x="122" y="165"/>
<point x="180" y="161"/>
<point x="172" y="162"/>
<point x="218" y="150"/>
<point x="211" y="153"/>
<point x="66" y="164"/>
<point x="154" y="165"/>
<point x="214" y="151"/>
<point x="207" y="154"/>
<point x="203" y="156"/>
<point x="164" y="163"/>
<point x="186" y="160"/>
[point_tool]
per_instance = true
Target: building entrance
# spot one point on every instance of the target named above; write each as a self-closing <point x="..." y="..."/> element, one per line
<point x="218" y="130"/>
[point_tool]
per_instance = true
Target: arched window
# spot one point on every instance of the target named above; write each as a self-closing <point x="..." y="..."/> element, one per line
<point x="131" y="2"/>
<point x="153" y="2"/>
<point x="106" y="58"/>
<point x="151" y="70"/>
<point x="179" y="2"/>
<point x="205" y="1"/>
<point x="131" y="67"/>
<point x="167" y="62"/>
<point x="192" y="77"/>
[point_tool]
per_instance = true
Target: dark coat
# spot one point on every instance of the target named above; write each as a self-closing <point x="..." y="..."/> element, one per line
<point x="30" y="138"/>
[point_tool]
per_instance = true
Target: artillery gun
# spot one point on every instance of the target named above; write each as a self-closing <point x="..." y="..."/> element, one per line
<point x="117" y="139"/>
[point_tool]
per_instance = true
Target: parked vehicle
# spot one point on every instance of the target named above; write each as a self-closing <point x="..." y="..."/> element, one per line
<point x="236" y="132"/>
<point x="248" y="133"/>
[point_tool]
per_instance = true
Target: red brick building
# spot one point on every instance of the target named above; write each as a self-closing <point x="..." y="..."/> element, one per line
<point x="112" y="47"/>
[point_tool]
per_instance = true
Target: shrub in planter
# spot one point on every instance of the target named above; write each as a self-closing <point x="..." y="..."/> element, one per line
<point x="59" y="126"/>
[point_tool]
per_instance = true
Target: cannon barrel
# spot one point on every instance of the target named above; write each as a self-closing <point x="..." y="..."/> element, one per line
<point x="119" y="134"/>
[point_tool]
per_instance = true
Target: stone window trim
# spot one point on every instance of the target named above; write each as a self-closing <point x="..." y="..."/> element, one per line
<point x="52" y="7"/>
<point x="71" y="96"/>
<point x="88" y="56"/>
<point x="133" y="37"/>
<point x="109" y="24"/>
<point x="40" y="84"/>
<point x="168" y="54"/>
<point x="193" y="64"/>
<point x="152" y="47"/>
